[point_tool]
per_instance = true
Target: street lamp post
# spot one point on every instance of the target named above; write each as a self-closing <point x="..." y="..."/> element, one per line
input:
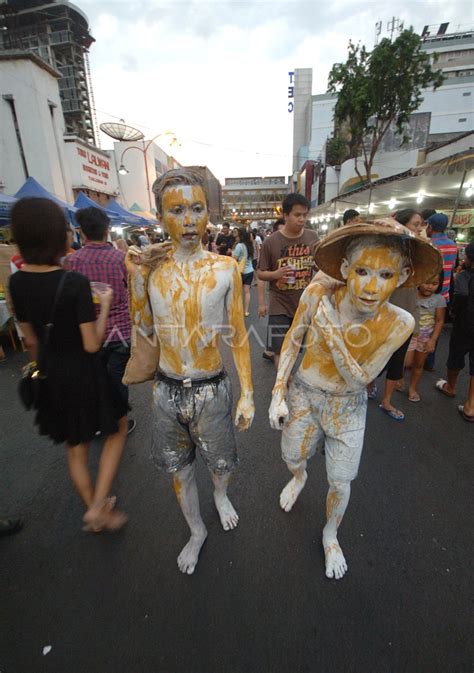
<point x="123" y="171"/>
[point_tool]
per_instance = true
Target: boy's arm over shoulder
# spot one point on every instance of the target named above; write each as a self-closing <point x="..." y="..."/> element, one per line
<point x="400" y="324"/>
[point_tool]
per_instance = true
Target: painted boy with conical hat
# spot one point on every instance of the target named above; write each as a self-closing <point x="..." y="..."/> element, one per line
<point x="350" y="330"/>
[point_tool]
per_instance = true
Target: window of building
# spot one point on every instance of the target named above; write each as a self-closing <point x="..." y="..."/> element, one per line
<point x="463" y="119"/>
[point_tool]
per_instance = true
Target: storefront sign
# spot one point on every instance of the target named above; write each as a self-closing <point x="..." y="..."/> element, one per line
<point x="90" y="168"/>
<point x="463" y="218"/>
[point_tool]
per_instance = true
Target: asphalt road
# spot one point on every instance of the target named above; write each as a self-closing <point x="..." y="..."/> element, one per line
<point x="259" y="601"/>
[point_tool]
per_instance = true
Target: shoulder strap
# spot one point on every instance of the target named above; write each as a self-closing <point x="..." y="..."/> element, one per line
<point x="50" y="324"/>
<point x="57" y="295"/>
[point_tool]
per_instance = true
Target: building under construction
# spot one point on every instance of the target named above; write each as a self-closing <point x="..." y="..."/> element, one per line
<point x="57" y="32"/>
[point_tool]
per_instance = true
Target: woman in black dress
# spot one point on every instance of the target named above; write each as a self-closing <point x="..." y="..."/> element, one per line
<point x="77" y="400"/>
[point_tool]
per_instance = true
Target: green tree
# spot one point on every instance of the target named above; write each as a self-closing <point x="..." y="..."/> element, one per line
<point x="379" y="88"/>
<point x="337" y="151"/>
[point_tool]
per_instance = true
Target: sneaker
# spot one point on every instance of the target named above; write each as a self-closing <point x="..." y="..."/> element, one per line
<point x="268" y="356"/>
<point x="132" y="424"/>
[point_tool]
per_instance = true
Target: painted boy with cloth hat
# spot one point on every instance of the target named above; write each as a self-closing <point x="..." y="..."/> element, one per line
<point x="350" y="332"/>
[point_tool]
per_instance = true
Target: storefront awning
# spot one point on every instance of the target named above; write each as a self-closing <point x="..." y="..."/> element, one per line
<point x="464" y="161"/>
<point x="33" y="188"/>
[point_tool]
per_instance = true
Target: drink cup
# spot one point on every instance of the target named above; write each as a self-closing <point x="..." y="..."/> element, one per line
<point x="98" y="289"/>
<point x="291" y="280"/>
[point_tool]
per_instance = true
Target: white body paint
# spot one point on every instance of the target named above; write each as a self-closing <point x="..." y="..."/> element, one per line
<point x="351" y="332"/>
<point x="189" y="293"/>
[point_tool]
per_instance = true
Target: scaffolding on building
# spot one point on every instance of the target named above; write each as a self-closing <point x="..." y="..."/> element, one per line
<point x="58" y="33"/>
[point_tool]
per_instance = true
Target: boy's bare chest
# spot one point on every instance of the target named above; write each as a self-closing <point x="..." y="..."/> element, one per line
<point x="181" y="291"/>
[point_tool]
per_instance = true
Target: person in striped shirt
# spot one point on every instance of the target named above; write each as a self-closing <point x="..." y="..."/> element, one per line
<point x="436" y="230"/>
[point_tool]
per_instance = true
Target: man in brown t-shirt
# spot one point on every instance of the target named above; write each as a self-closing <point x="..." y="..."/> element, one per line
<point x="286" y="262"/>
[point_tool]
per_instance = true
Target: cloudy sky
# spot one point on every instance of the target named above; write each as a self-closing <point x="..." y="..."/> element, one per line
<point x="216" y="73"/>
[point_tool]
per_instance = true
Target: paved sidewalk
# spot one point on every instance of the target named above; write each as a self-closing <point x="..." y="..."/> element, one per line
<point x="259" y="601"/>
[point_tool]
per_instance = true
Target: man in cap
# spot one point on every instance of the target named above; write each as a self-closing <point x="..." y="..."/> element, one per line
<point x="350" y="337"/>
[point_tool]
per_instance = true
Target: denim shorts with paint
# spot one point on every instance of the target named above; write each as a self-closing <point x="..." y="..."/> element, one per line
<point x="320" y="419"/>
<point x="198" y="416"/>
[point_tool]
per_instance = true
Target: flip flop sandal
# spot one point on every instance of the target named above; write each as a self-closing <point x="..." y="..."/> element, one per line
<point x="414" y="398"/>
<point x="393" y="414"/>
<point x="466" y="417"/>
<point x="372" y="394"/>
<point x="439" y="385"/>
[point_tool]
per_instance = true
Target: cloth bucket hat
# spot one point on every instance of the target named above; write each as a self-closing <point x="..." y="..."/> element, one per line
<point x="425" y="260"/>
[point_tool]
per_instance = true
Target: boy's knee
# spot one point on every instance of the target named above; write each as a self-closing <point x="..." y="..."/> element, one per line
<point x="339" y="485"/>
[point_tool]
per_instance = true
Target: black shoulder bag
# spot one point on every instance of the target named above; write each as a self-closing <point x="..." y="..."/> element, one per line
<point x="32" y="377"/>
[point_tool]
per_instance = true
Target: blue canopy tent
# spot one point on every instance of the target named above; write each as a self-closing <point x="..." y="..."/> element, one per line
<point x="6" y="203"/>
<point x="83" y="201"/>
<point x="33" y="188"/>
<point x="126" y="216"/>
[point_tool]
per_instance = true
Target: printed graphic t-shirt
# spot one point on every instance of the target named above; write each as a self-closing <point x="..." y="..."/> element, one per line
<point x="428" y="306"/>
<point x="279" y="251"/>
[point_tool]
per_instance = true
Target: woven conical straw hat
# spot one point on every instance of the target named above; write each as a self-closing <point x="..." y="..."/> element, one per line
<point x="426" y="260"/>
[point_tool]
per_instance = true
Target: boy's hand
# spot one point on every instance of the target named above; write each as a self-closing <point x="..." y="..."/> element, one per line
<point x="284" y="273"/>
<point x="278" y="412"/>
<point x="327" y="320"/>
<point x="262" y="310"/>
<point x="245" y="412"/>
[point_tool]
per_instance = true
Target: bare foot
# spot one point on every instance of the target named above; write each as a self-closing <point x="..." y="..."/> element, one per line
<point x="291" y="492"/>
<point x="188" y="558"/>
<point x="336" y="566"/>
<point x="227" y="513"/>
<point x="116" y="520"/>
<point x="96" y="516"/>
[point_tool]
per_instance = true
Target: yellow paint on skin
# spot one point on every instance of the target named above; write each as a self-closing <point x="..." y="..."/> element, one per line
<point x="305" y="444"/>
<point x="171" y="356"/>
<point x="333" y="547"/>
<point x="333" y="501"/>
<point x="363" y="340"/>
<point x="240" y="344"/>
<point x="177" y="488"/>
<point x="377" y="259"/>
<point x="184" y="197"/>
<point x="140" y="311"/>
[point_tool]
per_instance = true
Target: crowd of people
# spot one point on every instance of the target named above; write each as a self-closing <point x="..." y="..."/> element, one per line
<point x="71" y="304"/>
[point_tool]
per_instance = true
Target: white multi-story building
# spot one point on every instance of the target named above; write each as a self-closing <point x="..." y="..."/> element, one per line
<point x="31" y="125"/>
<point x="443" y="115"/>
<point x="253" y="199"/>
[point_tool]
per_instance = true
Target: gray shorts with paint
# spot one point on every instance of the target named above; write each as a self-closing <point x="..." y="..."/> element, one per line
<point x="318" y="418"/>
<point x="196" y="417"/>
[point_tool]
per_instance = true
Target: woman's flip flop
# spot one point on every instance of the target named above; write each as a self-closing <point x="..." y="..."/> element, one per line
<point x="466" y="417"/>
<point x="396" y="415"/>
<point x="440" y="386"/>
